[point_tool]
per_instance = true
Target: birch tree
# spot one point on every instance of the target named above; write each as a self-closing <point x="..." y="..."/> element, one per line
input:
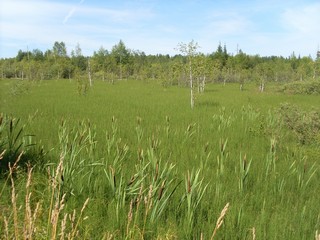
<point x="89" y="72"/>
<point x="121" y="55"/>
<point x="189" y="50"/>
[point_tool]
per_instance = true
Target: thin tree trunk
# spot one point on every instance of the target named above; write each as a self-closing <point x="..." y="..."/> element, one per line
<point x="120" y="68"/>
<point x="199" y="84"/>
<point x="89" y="73"/>
<point x="191" y="85"/>
<point x="203" y="83"/>
<point x="262" y="87"/>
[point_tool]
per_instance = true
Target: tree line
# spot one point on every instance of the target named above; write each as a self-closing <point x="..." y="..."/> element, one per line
<point x="123" y="63"/>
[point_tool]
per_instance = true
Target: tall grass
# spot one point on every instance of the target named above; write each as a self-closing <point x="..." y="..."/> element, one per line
<point x="154" y="169"/>
<point x="27" y="218"/>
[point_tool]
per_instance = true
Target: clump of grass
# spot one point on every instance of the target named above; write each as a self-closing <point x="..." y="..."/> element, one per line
<point x="244" y="169"/>
<point x="11" y="140"/>
<point x="194" y="192"/>
<point x="27" y="215"/>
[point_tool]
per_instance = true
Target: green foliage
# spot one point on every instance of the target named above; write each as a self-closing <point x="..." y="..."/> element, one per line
<point x="305" y="87"/>
<point x="120" y="62"/>
<point x="305" y="125"/>
<point x="14" y="143"/>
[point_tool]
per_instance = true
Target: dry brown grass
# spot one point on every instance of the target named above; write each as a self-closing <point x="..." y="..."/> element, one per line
<point x="14" y="197"/>
<point x="220" y="220"/>
<point x="253" y="233"/>
<point x="25" y="217"/>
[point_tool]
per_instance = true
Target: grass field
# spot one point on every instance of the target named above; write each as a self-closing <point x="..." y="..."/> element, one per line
<point x="152" y="168"/>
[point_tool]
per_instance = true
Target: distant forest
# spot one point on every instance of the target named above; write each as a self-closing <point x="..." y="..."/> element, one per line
<point x="123" y="63"/>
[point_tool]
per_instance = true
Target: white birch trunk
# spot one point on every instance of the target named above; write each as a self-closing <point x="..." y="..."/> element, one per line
<point x="191" y="85"/>
<point x="203" y="83"/>
<point x="89" y="73"/>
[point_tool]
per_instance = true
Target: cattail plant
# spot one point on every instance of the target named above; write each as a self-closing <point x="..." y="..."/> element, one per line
<point x="271" y="158"/>
<point x="222" y="121"/>
<point x="223" y="156"/>
<point x="244" y="169"/>
<point x="190" y="132"/>
<point x="114" y="163"/>
<point x="161" y="176"/>
<point x="167" y="126"/>
<point x="194" y="192"/>
<point x="111" y="137"/>
<point x="139" y="130"/>
<point x="305" y="172"/>
<point x="77" y="147"/>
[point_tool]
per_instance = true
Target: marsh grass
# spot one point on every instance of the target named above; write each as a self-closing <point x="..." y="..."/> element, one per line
<point x="154" y="169"/>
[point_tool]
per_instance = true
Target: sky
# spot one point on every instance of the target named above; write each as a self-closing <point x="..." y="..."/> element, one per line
<point x="263" y="27"/>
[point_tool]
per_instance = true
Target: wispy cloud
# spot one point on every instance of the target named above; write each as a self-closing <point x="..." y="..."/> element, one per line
<point x="39" y="24"/>
<point x="267" y="27"/>
<point x="65" y="20"/>
<point x="228" y="25"/>
<point x="304" y="20"/>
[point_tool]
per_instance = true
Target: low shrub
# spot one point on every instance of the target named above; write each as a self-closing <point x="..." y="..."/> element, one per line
<point x="308" y="87"/>
<point x="305" y="125"/>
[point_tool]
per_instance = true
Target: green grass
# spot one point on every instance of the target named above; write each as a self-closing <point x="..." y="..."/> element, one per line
<point x="232" y="148"/>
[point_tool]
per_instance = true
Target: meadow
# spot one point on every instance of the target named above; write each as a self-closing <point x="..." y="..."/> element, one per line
<point x="132" y="160"/>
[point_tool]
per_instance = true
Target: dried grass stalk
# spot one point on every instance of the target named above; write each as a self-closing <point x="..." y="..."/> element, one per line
<point x="253" y="233"/>
<point x="6" y="228"/>
<point x="14" y="204"/>
<point x="220" y="220"/>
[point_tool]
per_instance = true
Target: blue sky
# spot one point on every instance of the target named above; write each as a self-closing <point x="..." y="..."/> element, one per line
<point x="264" y="27"/>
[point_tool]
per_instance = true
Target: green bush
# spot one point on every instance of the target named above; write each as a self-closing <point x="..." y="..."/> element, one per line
<point x="309" y="87"/>
<point x="305" y="125"/>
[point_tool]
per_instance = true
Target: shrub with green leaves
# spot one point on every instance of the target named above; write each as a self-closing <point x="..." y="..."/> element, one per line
<point x="305" y="125"/>
<point x="305" y="87"/>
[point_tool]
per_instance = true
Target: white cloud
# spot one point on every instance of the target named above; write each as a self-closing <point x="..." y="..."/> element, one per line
<point x="65" y="20"/>
<point x="37" y="23"/>
<point x="226" y="23"/>
<point x="264" y="27"/>
<point x="305" y="20"/>
<point x="302" y="28"/>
